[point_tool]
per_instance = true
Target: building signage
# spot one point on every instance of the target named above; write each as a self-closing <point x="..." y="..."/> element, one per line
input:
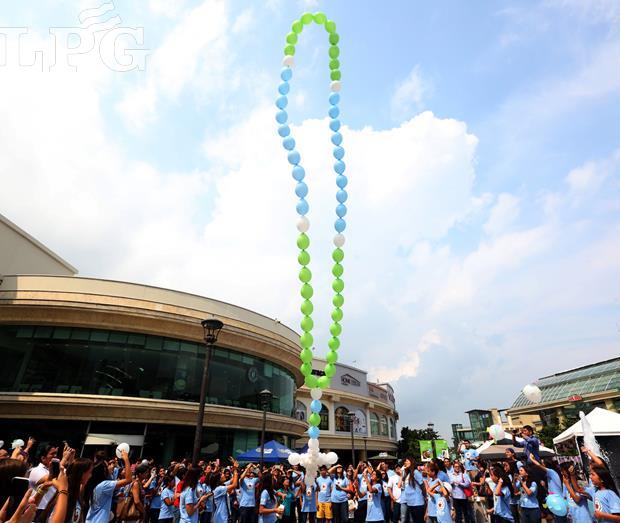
<point x="348" y="380"/>
<point x="575" y="397"/>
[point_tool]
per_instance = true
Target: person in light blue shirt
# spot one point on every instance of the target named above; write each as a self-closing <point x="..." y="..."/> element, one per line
<point x="529" y="508"/>
<point x="374" y="510"/>
<point x="466" y="450"/>
<point x="221" y="487"/>
<point x="606" y="500"/>
<point x="267" y="510"/>
<point x="308" y="503"/>
<point x="577" y="498"/>
<point x="412" y="483"/>
<point x="324" y="485"/>
<point x="99" y="490"/>
<point x="501" y="495"/>
<point x="439" y="507"/>
<point x="166" y="513"/>
<point x="190" y="502"/>
<point x="340" y="496"/>
<point x="362" y="493"/>
<point x="247" y="497"/>
<point x="554" y="482"/>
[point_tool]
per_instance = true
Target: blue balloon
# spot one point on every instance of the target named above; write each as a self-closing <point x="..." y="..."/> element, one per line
<point x="338" y="153"/>
<point x="340" y="225"/>
<point x="557" y="504"/>
<point x="302" y="207"/>
<point x="341" y="210"/>
<point x="294" y="157"/>
<point x="339" y="167"/>
<point x="313" y="432"/>
<point x="284" y="88"/>
<point x="282" y="102"/>
<point x="288" y="143"/>
<point x="341" y="196"/>
<point x="336" y="138"/>
<point x="286" y="74"/>
<point x="299" y="173"/>
<point x="301" y="190"/>
<point x="333" y="111"/>
<point x="334" y="125"/>
<point x="341" y="181"/>
<point x="284" y="130"/>
<point x="334" y="98"/>
<point x="281" y="117"/>
<point x="315" y="406"/>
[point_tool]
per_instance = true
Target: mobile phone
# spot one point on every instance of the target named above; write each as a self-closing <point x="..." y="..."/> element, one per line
<point x="19" y="486"/>
<point x="54" y="469"/>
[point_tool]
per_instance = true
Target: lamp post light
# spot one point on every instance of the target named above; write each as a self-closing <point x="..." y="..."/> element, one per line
<point x="265" y="397"/>
<point x="212" y="328"/>
<point x="351" y="416"/>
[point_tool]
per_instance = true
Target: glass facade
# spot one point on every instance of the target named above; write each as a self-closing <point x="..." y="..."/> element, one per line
<point x="94" y="361"/>
<point x="480" y="420"/>
<point x="374" y="424"/>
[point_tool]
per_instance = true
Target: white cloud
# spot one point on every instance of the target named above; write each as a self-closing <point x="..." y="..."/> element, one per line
<point x="503" y="214"/>
<point x="166" y="8"/>
<point x="409" y="94"/>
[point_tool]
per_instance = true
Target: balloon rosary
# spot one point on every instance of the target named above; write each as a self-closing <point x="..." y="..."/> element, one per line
<point x="314" y="458"/>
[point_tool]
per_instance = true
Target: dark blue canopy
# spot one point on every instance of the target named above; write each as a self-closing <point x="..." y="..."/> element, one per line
<point x="274" y="452"/>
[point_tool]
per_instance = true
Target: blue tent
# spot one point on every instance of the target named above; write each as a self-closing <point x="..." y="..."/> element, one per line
<point x="273" y="453"/>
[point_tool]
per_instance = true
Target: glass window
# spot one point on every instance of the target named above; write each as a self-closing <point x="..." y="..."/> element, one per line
<point x="301" y="412"/>
<point x="384" y="426"/>
<point x="324" y="425"/>
<point x="343" y="423"/>
<point x="392" y="428"/>
<point x="374" y="424"/>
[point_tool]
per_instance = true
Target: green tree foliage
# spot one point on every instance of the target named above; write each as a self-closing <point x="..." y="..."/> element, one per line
<point x="409" y="443"/>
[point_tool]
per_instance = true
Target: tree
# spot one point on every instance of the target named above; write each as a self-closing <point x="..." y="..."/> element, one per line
<point x="409" y="443"/>
<point x="550" y="431"/>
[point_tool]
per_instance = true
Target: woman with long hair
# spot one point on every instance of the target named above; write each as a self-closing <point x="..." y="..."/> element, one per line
<point x="340" y="495"/>
<point x="221" y="489"/>
<point x="529" y="507"/>
<point x="374" y="509"/>
<point x="439" y="507"/>
<point x="267" y="509"/>
<point x="501" y="495"/>
<point x="412" y="483"/>
<point x="553" y="480"/>
<point x="166" y="511"/>
<point x="100" y="488"/>
<point x="460" y="481"/>
<point x="189" y="502"/>
<point x="606" y="500"/>
<point x="576" y="496"/>
<point x="287" y="495"/>
<point x="510" y="468"/>
<point x="78" y="474"/>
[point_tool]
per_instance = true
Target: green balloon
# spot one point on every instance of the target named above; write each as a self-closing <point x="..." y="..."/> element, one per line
<point x="333" y="344"/>
<point x="291" y="38"/>
<point x="307" y="307"/>
<point x="338" y="300"/>
<point x="289" y="50"/>
<point x="332" y="356"/>
<point x="305" y="275"/>
<point x="306" y="355"/>
<point x="314" y="419"/>
<point x="337" y="270"/>
<point x="330" y="370"/>
<point x="303" y="258"/>
<point x="307" y="18"/>
<point x="335" y="329"/>
<point x="330" y="26"/>
<point x="320" y="18"/>
<point x="337" y="255"/>
<point x="334" y="64"/>
<point x="335" y="75"/>
<point x="306" y="324"/>
<point x="311" y="382"/>
<point x="334" y="51"/>
<point x="306" y="340"/>
<point x="338" y="285"/>
<point x="303" y="242"/>
<point x="337" y="314"/>
<point x="297" y="27"/>
<point x="306" y="369"/>
<point x="307" y="291"/>
<point x="323" y="382"/>
<point x="333" y="39"/>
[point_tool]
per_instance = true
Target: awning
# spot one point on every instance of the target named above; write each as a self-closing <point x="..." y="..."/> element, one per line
<point x="603" y="422"/>
<point x="114" y="439"/>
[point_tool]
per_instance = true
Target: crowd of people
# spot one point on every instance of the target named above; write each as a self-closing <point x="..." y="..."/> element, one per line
<point x="63" y="488"/>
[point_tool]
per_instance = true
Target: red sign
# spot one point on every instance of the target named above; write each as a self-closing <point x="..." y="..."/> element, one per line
<point x="575" y="397"/>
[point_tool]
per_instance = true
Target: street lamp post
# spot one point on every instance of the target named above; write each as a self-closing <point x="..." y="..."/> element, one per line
<point x="265" y="397"/>
<point x="212" y="328"/>
<point x="365" y="448"/>
<point x="351" y="423"/>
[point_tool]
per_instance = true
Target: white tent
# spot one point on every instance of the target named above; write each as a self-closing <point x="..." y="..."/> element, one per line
<point x="603" y="423"/>
<point x="508" y="441"/>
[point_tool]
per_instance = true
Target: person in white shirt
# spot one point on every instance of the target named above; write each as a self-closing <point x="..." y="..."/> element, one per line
<point x="39" y="474"/>
<point x="395" y="493"/>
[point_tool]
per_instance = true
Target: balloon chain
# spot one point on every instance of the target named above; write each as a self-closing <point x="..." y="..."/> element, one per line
<point x="301" y="190"/>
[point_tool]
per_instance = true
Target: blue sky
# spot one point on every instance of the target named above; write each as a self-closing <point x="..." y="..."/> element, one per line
<point x="483" y="152"/>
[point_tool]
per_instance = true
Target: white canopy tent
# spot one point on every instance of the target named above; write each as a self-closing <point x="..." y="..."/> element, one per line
<point x="508" y="441"/>
<point x="603" y="423"/>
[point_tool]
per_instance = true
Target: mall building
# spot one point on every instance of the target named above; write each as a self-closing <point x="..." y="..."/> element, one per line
<point x="96" y="362"/>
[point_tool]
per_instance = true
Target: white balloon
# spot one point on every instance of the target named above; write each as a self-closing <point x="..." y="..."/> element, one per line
<point x="532" y="393"/>
<point x="303" y="224"/>
<point x="313" y="443"/>
<point x="288" y="61"/>
<point x="497" y="432"/>
<point x="316" y="393"/>
<point x="332" y="458"/>
<point x="339" y="240"/>
<point x="293" y="458"/>
<point x="335" y="86"/>
<point x="121" y="447"/>
<point x="1" y="443"/>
